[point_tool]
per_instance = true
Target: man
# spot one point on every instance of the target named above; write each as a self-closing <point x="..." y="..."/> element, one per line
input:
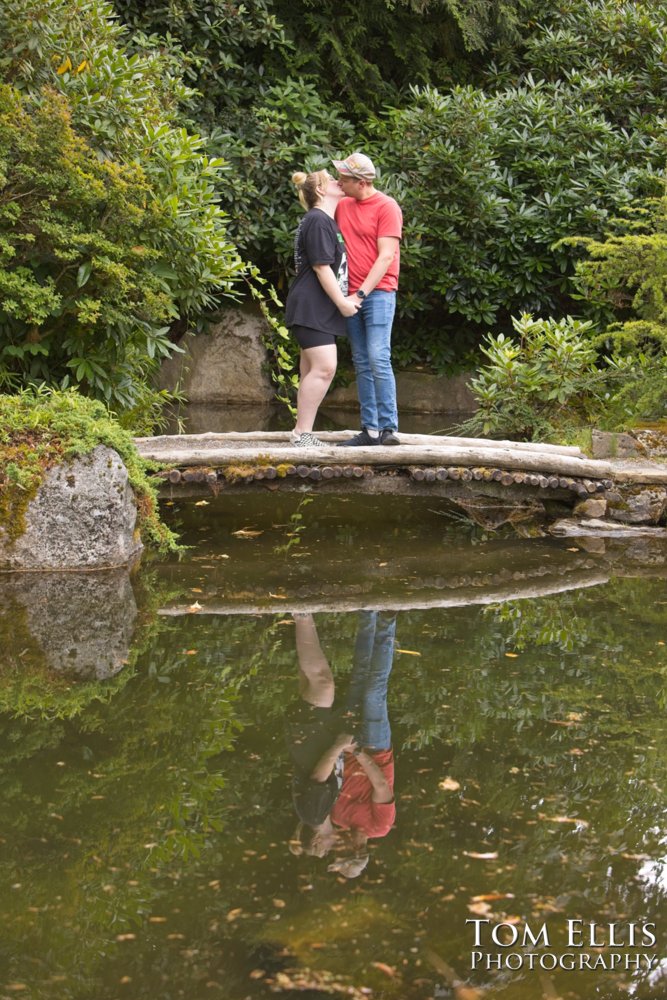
<point x="371" y="223"/>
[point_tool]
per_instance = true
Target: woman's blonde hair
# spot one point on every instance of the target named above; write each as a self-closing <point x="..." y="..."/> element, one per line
<point x="310" y="187"/>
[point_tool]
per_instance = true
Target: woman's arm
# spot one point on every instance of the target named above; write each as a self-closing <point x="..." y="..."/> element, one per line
<point x="325" y="765"/>
<point x="327" y="279"/>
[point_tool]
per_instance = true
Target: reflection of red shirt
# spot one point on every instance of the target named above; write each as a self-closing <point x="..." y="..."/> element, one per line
<point x="362" y="222"/>
<point x="355" y="807"/>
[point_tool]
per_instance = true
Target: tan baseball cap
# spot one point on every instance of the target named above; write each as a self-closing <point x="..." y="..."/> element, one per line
<point x="356" y="165"/>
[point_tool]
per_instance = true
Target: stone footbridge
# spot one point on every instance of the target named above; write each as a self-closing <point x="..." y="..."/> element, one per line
<point x="493" y="482"/>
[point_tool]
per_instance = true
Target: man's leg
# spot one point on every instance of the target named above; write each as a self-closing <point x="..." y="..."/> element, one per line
<point x="356" y="331"/>
<point x="373" y="660"/>
<point x="379" y="308"/>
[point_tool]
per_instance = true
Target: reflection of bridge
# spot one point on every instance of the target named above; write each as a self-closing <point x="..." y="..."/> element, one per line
<point x="422" y="578"/>
<point x="523" y="474"/>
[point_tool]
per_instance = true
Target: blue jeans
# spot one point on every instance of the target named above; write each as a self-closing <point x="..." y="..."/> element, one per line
<point x="367" y="694"/>
<point x="370" y="339"/>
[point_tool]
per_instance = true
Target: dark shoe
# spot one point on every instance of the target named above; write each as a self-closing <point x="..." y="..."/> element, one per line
<point x="388" y="437"/>
<point x="360" y="440"/>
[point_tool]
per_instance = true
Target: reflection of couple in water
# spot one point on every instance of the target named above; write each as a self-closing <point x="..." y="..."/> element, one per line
<point x="343" y="786"/>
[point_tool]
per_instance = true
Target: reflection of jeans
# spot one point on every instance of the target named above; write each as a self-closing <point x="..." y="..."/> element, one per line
<point x="369" y="331"/>
<point x="373" y="660"/>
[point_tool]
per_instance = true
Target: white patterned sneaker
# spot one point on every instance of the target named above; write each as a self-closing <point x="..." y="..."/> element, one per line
<point x="307" y="440"/>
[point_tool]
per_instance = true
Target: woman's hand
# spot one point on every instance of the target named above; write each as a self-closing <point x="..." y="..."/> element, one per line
<point x="351" y="305"/>
<point x="346" y="742"/>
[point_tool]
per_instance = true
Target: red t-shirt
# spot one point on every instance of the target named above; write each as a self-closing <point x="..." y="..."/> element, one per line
<point x="361" y="223"/>
<point x="354" y="807"/>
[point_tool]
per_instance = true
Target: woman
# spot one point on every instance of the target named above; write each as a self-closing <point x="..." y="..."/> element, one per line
<point x="317" y="302"/>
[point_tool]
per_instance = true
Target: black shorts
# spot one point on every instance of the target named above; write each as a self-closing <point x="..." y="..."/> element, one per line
<point x="306" y="337"/>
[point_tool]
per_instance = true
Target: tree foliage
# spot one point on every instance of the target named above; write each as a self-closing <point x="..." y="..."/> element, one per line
<point x="494" y="163"/>
<point x="624" y="276"/>
<point x="488" y="184"/>
<point x="111" y="226"/>
<point x="81" y="303"/>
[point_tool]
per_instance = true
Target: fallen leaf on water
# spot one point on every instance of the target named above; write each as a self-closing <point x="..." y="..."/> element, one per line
<point x="387" y="969"/>
<point x="194" y="608"/>
<point x="575" y="820"/>
<point x="512" y="656"/>
<point x="408" y="652"/>
<point x="279" y="903"/>
<point x="492" y="895"/>
<point x="278" y="597"/>
<point x="636" y="857"/>
<point x="196" y="590"/>
<point x="247" y="533"/>
<point x="573" y="549"/>
<point x="449" y="785"/>
<point x="126" y="937"/>
<point x="189" y="652"/>
<point x="257" y="974"/>
<point x="234" y="914"/>
<point x="488" y="856"/>
<point x="157" y="920"/>
<point x="481" y="909"/>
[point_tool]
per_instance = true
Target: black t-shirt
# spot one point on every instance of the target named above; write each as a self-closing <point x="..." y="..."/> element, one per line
<point x="311" y="732"/>
<point x="318" y="240"/>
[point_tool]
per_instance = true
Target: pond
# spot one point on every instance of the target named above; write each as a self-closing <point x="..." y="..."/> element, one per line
<point x="511" y="693"/>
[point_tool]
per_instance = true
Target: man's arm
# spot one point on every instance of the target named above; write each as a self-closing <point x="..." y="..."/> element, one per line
<point x="381" y="789"/>
<point x="387" y="249"/>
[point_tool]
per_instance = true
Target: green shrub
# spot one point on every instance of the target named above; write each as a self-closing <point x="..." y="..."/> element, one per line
<point x="80" y="301"/>
<point x="624" y="277"/>
<point x="110" y="227"/>
<point x="535" y="384"/>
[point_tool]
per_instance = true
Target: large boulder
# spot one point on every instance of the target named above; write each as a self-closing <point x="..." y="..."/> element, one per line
<point x="227" y="364"/>
<point x="82" y="517"/>
<point x="639" y="505"/>
<point x="78" y="624"/>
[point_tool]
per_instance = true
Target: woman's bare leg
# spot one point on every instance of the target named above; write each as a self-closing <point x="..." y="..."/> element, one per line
<point x="316" y="682"/>
<point x="317" y="368"/>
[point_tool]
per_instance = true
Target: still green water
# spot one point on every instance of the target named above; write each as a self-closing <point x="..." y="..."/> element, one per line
<point x="148" y="816"/>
